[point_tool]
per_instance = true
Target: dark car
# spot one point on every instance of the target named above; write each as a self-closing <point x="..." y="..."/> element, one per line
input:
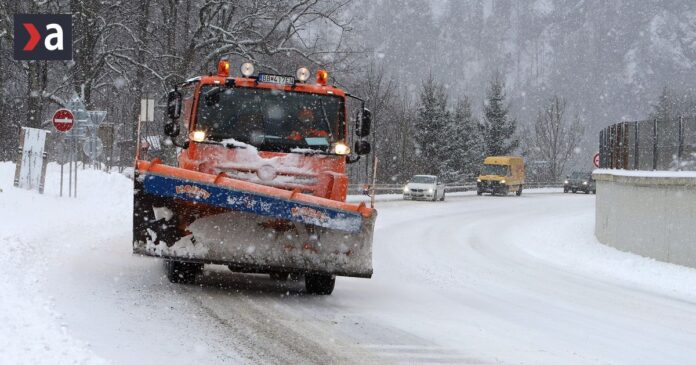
<point x="580" y="181"/>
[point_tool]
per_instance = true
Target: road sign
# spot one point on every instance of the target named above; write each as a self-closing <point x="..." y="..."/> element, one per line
<point x="63" y="120"/>
<point x="93" y="147"/>
<point x="96" y="116"/>
<point x="595" y="160"/>
<point x="147" y="110"/>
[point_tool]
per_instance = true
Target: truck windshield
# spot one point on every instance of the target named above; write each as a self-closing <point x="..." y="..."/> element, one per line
<point x="499" y="170"/>
<point x="419" y="179"/>
<point x="272" y="120"/>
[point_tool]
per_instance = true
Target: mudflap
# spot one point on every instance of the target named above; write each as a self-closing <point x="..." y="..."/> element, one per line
<point x="265" y="234"/>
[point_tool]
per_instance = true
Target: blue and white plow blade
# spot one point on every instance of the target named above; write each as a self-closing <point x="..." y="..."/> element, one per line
<point x="252" y="231"/>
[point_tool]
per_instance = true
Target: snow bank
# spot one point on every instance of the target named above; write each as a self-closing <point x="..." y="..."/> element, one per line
<point x="572" y="245"/>
<point x="34" y="227"/>
<point x="641" y="173"/>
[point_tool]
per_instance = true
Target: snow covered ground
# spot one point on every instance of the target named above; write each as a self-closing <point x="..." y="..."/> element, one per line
<point x="513" y="280"/>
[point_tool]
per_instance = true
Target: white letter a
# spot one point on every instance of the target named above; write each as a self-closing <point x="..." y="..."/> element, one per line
<point x="58" y="36"/>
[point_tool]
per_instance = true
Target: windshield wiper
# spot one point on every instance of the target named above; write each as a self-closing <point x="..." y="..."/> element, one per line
<point x="326" y="118"/>
<point x="223" y="143"/>
<point x="212" y="96"/>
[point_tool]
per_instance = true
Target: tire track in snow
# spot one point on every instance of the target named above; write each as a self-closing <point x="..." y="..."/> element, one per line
<point x="267" y="336"/>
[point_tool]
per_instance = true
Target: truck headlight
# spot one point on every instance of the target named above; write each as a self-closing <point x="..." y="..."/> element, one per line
<point x="430" y="190"/>
<point x="198" y="136"/>
<point x="478" y="180"/>
<point x="302" y="74"/>
<point x="247" y="69"/>
<point x="565" y="182"/>
<point x="406" y="189"/>
<point x="340" y="148"/>
<point x="502" y="181"/>
<point x="584" y="182"/>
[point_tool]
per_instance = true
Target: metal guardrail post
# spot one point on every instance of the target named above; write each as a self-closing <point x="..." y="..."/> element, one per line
<point x="680" y="150"/>
<point x="654" y="144"/>
<point x="636" y="154"/>
<point x="622" y="145"/>
<point x="613" y="146"/>
<point x="601" y="148"/>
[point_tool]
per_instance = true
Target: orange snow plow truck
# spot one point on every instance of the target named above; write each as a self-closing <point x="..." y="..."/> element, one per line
<point x="260" y="184"/>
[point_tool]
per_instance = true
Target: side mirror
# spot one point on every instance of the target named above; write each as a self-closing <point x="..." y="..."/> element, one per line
<point x="174" y="104"/>
<point x="171" y="129"/>
<point x="362" y="147"/>
<point x="365" y="123"/>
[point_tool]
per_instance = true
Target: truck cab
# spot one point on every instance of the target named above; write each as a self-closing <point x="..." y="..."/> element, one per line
<point x="501" y="175"/>
<point x="273" y="130"/>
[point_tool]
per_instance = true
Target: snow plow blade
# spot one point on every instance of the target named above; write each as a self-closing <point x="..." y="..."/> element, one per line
<point x="198" y="217"/>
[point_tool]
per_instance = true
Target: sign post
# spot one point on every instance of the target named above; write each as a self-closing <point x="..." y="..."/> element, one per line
<point x="64" y="121"/>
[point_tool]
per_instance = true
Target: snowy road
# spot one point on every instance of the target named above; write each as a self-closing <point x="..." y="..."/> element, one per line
<point x="472" y="280"/>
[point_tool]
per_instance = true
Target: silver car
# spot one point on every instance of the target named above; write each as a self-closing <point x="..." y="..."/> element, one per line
<point x="424" y="187"/>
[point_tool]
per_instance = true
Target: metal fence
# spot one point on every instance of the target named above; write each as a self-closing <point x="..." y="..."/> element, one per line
<point x="649" y="145"/>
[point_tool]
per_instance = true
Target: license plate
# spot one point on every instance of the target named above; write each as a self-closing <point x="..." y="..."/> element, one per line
<point x="276" y="79"/>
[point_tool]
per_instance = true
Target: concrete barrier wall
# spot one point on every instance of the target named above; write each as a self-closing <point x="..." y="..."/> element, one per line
<point x="649" y="213"/>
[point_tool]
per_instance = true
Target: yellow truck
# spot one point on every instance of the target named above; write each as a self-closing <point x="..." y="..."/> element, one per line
<point x="501" y="175"/>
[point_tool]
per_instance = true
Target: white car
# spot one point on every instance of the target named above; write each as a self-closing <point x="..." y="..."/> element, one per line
<point x="425" y="187"/>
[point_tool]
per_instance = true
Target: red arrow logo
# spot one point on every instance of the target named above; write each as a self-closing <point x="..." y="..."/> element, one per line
<point x="34" y="37"/>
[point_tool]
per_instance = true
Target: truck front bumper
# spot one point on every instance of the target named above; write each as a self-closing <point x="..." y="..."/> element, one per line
<point x="493" y="187"/>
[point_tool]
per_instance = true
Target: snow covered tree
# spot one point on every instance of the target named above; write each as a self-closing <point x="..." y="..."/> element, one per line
<point x="665" y="108"/>
<point x="498" y="127"/>
<point x="554" y="138"/>
<point x="464" y="143"/>
<point x="430" y="132"/>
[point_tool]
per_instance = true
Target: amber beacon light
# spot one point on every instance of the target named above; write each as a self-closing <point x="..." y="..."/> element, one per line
<point x="223" y="68"/>
<point x="322" y="77"/>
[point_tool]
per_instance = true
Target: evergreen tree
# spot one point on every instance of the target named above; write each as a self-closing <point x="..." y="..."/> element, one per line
<point x="498" y="128"/>
<point x="464" y="143"/>
<point x="664" y="109"/>
<point x="431" y="127"/>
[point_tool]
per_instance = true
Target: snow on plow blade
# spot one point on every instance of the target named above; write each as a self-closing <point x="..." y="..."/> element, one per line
<point x="193" y="216"/>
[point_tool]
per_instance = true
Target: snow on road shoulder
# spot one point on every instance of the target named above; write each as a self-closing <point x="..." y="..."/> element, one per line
<point x="32" y="332"/>
<point x="572" y="245"/>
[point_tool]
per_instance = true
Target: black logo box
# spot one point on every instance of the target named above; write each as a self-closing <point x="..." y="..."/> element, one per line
<point x="40" y="21"/>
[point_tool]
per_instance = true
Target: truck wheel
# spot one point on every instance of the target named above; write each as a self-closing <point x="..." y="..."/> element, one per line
<point x="319" y="284"/>
<point x="574" y="191"/>
<point x="443" y="197"/>
<point x="279" y="276"/>
<point x="479" y="192"/>
<point x="182" y="272"/>
<point x="587" y="191"/>
<point x="594" y="192"/>
<point x="565" y="190"/>
<point x="519" y="191"/>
